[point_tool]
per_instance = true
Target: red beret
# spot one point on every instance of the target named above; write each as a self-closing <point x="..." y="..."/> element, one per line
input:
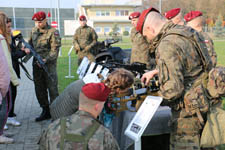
<point x="191" y="15"/>
<point x="172" y="13"/>
<point x="134" y="15"/>
<point x="96" y="91"/>
<point x="142" y="17"/>
<point x="39" y="16"/>
<point x="82" y="18"/>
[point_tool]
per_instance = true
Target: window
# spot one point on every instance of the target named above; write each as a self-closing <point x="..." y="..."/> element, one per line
<point x="97" y="29"/>
<point x="98" y="13"/>
<point x="117" y="13"/>
<point x="119" y="30"/>
<point x="106" y="29"/>
<point x="107" y="13"/>
<point x="127" y="29"/>
<point x="122" y="12"/>
<point x="102" y="13"/>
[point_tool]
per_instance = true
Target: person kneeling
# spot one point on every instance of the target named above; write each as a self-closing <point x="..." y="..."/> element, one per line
<point x="82" y="130"/>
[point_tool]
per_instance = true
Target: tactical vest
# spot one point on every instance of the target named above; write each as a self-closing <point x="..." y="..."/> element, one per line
<point x="195" y="99"/>
<point x="74" y="137"/>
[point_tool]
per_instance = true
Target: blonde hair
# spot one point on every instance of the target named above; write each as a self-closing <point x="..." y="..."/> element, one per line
<point x="120" y="78"/>
<point x="3" y="28"/>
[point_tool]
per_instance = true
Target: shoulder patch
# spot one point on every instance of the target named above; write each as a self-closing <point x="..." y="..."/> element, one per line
<point x="206" y="41"/>
<point x="56" y="33"/>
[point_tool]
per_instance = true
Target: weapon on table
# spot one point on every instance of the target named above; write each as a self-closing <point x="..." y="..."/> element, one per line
<point x="138" y="69"/>
<point x="118" y="103"/>
<point x="18" y="36"/>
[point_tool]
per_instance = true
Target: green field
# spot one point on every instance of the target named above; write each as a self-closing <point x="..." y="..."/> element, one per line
<point x="63" y="60"/>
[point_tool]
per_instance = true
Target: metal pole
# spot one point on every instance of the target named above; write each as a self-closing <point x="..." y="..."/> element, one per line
<point x="137" y="145"/>
<point x="69" y="54"/>
<point x="51" y="10"/>
<point x="55" y="15"/>
<point x="14" y="18"/>
<point x="160" y="6"/>
<point x="60" y="51"/>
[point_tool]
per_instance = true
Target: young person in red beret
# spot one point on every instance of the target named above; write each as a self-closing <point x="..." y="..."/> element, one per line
<point x="179" y="65"/>
<point x="87" y="131"/>
<point x="67" y="102"/>
<point x="175" y="15"/>
<point x="140" y="47"/>
<point x="195" y="20"/>
<point x="46" y="42"/>
<point x="84" y="40"/>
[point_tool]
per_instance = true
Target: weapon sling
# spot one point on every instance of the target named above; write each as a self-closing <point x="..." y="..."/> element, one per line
<point x="76" y="138"/>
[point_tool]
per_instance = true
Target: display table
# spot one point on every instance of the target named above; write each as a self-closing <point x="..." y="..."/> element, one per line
<point x="157" y="126"/>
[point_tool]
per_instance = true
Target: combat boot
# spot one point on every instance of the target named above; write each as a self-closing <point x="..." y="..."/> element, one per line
<point x="45" y="114"/>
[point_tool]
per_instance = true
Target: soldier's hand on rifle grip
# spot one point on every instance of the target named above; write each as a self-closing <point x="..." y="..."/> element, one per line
<point x="26" y="50"/>
<point x="148" y="76"/>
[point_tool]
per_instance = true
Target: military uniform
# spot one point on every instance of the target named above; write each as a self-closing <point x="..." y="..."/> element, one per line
<point x="210" y="46"/>
<point x="46" y="43"/>
<point x="70" y="134"/>
<point x="84" y="40"/>
<point x="179" y="66"/>
<point x="67" y="102"/>
<point x="140" y="48"/>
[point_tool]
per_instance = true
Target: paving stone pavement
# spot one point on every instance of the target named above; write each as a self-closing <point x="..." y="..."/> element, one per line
<point x="27" y="109"/>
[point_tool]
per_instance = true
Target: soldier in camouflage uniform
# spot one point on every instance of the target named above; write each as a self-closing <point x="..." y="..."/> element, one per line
<point x="82" y="130"/>
<point x="179" y="68"/>
<point x="140" y="47"/>
<point x="84" y="40"/>
<point x="195" y="20"/>
<point x="46" y="42"/>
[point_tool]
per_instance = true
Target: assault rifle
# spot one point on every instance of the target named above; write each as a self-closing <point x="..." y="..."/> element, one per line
<point x="18" y="36"/>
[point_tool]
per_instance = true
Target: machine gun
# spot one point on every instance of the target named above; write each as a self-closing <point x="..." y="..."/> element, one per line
<point x="138" y="69"/>
<point x="18" y="36"/>
<point x="119" y="102"/>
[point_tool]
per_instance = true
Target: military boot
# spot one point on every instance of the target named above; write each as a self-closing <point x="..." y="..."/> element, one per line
<point x="45" y="114"/>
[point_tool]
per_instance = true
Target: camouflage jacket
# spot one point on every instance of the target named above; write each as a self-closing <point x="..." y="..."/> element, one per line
<point x="46" y="42"/>
<point x="210" y="46"/>
<point x="140" y="48"/>
<point x="178" y="61"/>
<point x="84" y="39"/>
<point x="77" y="124"/>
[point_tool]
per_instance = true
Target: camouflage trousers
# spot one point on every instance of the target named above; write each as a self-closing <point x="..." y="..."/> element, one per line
<point x="186" y="131"/>
<point x="81" y="55"/>
<point x="43" y="84"/>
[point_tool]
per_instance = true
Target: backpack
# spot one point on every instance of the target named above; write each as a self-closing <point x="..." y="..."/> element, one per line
<point x="216" y="82"/>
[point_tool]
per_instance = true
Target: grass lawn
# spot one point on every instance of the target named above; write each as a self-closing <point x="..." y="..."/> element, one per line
<point x="63" y="60"/>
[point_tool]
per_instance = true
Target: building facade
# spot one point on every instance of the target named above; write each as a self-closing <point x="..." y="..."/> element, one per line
<point x="106" y="14"/>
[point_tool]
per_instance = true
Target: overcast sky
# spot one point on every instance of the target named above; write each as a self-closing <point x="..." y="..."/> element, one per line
<point x="39" y="3"/>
